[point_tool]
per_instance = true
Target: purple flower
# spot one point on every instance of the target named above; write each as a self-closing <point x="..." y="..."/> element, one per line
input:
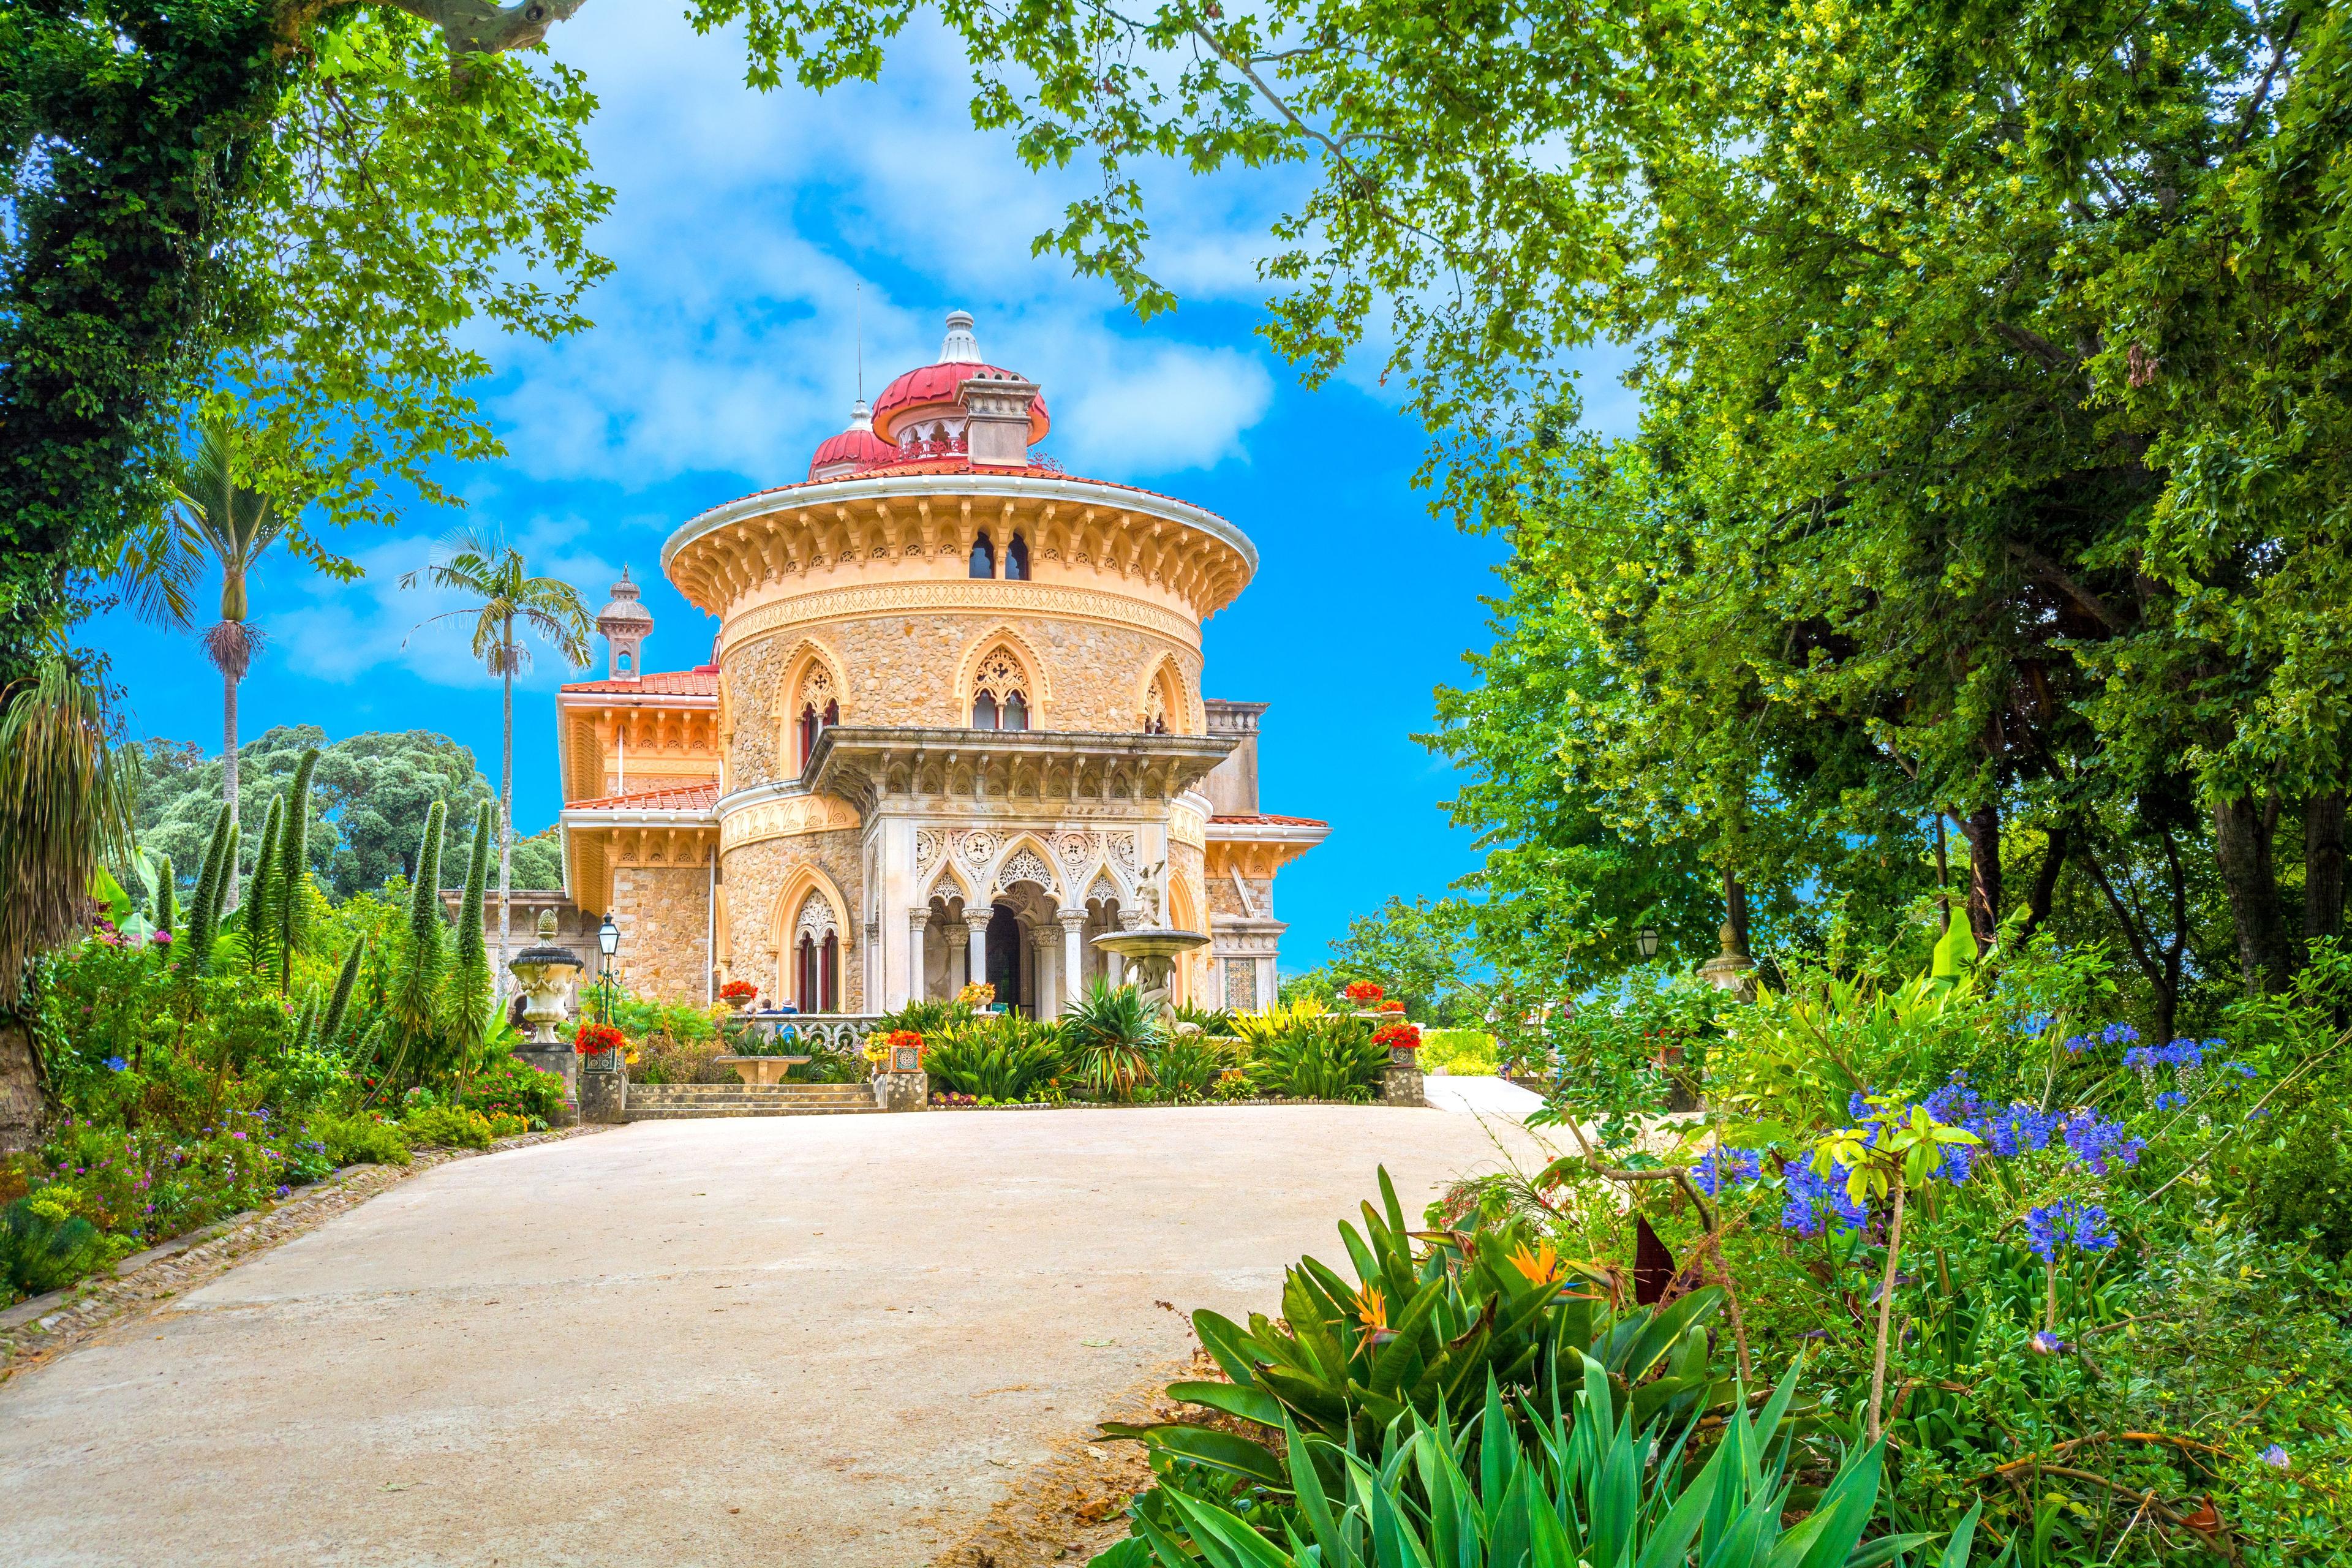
<point x="2097" y="1143"/>
<point x="2077" y="1043"/>
<point x="116" y="1064"/>
<point x="1857" y="1105"/>
<point x="1812" y="1198"/>
<point x="1954" y="1104"/>
<point x="2275" y="1457"/>
<point x="2119" y="1034"/>
<point x="283" y="1191"/>
<point x="1720" y="1167"/>
<point x="2046" y="1344"/>
<point x="2019" y="1128"/>
<point x="2240" y="1069"/>
<point x="2083" y="1226"/>
<point x="162" y="939"/>
<point x="2171" y="1099"/>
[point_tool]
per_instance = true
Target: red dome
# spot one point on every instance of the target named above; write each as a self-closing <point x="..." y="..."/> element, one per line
<point x="858" y="445"/>
<point x="933" y="386"/>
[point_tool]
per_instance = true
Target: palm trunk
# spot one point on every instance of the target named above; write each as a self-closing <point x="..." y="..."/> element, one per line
<point x="228" y="775"/>
<point x="505" y="809"/>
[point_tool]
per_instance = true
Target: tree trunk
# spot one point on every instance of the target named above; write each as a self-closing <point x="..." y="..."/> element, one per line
<point x="1982" y="826"/>
<point x="2323" y="867"/>
<point x="2242" y="853"/>
<point x="23" y="1108"/>
<point x="506" y="810"/>
<point x="1734" y="911"/>
<point x="229" y="776"/>
<point x="2045" y="879"/>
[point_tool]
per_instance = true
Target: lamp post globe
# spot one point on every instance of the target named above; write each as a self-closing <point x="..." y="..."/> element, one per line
<point x="608" y="938"/>
<point x="1647" y="939"/>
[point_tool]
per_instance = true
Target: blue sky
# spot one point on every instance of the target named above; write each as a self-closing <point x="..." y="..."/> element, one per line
<point x="744" y="227"/>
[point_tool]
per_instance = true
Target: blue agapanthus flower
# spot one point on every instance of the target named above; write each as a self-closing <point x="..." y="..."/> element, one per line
<point x="2077" y="1043"/>
<point x="2014" y="1130"/>
<point x="1719" y="1168"/>
<point x="1814" y="1199"/>
<point x="2083" y="1226"/>
<point x="2033" y="1025"/>
<point x="2171" y="1099"/>
<point x="116" y="1064"/>
<point x="2182" y="1055"/>
<point x="2100" y="1143"/>
<point x="2274" y="1455"/>
<point x="2119" y="1034"/>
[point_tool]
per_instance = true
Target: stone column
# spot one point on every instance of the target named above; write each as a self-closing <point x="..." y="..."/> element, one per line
<point x="1114" y="970"/>
<point x="1074" y="954"/>
<point x="1045" y="948"/>
<point x="976" y="954"/>
<point x="917" y="922"/>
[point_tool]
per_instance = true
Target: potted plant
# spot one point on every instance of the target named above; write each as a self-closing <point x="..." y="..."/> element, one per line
<point x="978" y="995"/>
<point x="598" y="1045"/>
<point x="739" y="994"/>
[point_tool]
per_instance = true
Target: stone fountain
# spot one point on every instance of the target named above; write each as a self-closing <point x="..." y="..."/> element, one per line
<point x="1151" y="949"/>
<point x="544" y="970"/>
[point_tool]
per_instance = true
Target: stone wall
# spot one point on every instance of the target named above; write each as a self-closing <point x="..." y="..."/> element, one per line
<point x="757" y="873"/>
<point x="1225" y="900"/>
<point x="664" y="916"/>
<point x="903" y="670"/>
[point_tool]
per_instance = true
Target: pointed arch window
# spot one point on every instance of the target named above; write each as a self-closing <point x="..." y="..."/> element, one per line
<point x="1000" y="693"/>
<point x="819" y="707"/>
<point x="1016" y="560"/>
<point x="817" y="968"/>
<point x="983" y="555"/>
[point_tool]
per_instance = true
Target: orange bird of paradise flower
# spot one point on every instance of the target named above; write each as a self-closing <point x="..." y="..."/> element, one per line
<point x="1540" y="1266"/>
<point x="1372" y="1311"/>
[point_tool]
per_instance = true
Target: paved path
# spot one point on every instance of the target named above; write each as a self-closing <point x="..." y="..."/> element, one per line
<point x="1480" y="1095"/>
<point x="856" y="1331"/>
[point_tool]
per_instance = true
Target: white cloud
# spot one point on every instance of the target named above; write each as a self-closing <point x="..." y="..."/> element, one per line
<point x="341" y="631"/>
<point x="1182" y="408"/>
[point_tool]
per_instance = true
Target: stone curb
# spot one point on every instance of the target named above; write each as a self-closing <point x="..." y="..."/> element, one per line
<point x="35" y="1332"/>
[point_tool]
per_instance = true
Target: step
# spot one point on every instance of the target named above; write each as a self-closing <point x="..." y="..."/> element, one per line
<point x="687" y="1113"/>
<point x="821" y="1096"/>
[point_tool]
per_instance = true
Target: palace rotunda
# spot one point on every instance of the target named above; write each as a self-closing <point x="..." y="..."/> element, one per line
<point x="953" y="721"/>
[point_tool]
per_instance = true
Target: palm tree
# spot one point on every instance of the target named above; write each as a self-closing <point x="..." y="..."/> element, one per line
<point x="65" y="801"/>
<point x="214" y="520"/>
<point x="492" y="573"/>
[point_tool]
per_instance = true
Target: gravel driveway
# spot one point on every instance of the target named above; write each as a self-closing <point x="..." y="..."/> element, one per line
<point x="802" y="1341"/>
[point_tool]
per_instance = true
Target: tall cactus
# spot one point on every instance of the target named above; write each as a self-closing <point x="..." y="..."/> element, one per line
<point x="471" y="992"/>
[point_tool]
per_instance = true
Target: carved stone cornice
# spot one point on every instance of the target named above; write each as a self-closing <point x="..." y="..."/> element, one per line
<point x="745" y="818"/>
<point x="867" y="766"/>
<point x="980" y="596"/>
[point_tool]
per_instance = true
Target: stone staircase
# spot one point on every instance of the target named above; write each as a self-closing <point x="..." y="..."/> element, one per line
<point x="670" y="1102"/>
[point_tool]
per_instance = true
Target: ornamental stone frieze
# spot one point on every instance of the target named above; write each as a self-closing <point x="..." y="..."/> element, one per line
<point x="923" y="597"/>
<point x="1187" y="824"/>
<point x="786" y="817"/>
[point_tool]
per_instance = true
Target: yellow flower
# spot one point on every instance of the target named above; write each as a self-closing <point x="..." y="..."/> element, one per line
<point x="1371" y="1310"/>
<point x="1539" y="1267"/>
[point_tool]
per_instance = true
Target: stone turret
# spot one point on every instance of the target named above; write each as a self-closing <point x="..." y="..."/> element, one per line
<point x="625" y="625"/>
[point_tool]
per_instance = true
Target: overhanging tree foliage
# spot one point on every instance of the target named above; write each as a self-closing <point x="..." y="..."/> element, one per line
<point x="1991" y="358"/>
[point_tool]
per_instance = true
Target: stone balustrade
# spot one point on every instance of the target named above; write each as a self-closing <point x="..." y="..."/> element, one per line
<point x="844" y="1032"/>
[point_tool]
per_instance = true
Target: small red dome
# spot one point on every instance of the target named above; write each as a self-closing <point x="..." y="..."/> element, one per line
<point x="859" y="449"/>
<point x="932" y="387"/>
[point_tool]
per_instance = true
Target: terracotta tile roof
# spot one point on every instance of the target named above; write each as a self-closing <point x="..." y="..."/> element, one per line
<point x="693" y="797"/>
<point x="1263" y="819"/>
<point x="701" y="681"/>
<point x="957" y="463"/>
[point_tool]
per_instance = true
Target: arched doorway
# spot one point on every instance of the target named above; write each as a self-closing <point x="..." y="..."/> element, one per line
<point x="1004" y="954"/>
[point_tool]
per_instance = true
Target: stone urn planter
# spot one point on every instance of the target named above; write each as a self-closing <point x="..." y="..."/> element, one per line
<point x="761" y="1072"/>
<point x="543" y="971"/>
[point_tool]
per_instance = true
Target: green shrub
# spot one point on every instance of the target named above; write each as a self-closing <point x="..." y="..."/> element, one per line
<point x="1003" y="1057"/>
<point x="1463" y="1051"/>
<point x="1186" y="1069"/>
<point x="447" y="1125"/>
<point x="828" y="1067"/>
<point x="1108" y="1037"/>
<point x="44" y="1247"/>
<point x="360" y="1140"/>
<point x="1328" y="1058"/>
<point x="512" y="1086"/>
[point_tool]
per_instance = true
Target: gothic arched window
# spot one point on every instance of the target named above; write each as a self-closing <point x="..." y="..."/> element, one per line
<point x="820" y="706"/>
<point x="984" y="556"/>
<point x="1016" y="560"/>
<point x="1000" y="692"/>
<point x="817" y="977"/>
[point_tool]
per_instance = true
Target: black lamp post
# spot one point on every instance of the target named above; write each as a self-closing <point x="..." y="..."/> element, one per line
<point x="1647" y="939"/>
<point x="608" y="938"/>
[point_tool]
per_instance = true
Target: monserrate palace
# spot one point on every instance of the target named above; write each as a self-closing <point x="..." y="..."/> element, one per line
<point x="953" y="713"/>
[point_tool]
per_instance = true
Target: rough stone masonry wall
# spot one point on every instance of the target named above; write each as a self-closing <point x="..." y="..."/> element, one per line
<point x="664" y="916"/>
<point x="901" y="670"/>
<point x="1224" y="901"/>
<point x="756" y="873"/>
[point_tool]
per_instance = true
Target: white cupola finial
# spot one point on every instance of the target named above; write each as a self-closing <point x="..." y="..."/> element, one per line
<point x="861" y="415"/>
<point x="625" y="625"/>
<point x="959" y="347"/>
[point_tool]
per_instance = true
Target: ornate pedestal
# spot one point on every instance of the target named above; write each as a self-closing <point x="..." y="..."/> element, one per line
<point x="1400" y="1085"/>
<point x="544" y="970"/>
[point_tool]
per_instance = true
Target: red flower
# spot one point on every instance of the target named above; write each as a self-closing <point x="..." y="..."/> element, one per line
<point x="1391" y="1006"/>
<point x="1362" y="992"/>
<point x="1399" y="1036"/>
<point x="737" y="991"/>
<point x="595" y="1037"/>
